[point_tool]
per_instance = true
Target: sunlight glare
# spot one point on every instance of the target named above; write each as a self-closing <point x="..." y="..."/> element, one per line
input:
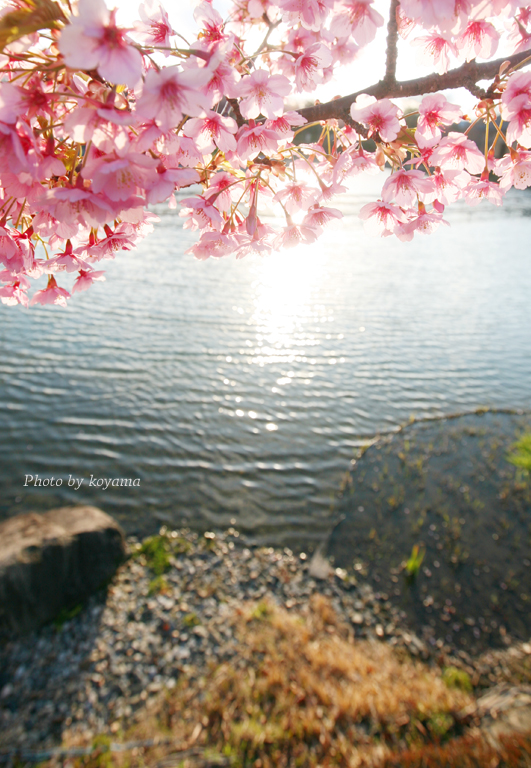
<point x="283" y="301"/>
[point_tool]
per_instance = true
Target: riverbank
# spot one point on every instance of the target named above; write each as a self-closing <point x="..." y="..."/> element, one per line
<point x="185" y="605"/>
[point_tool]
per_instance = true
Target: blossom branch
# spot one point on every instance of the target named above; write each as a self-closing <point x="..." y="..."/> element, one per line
<point x="91" y="155"/>
<point x="465" y="76"/>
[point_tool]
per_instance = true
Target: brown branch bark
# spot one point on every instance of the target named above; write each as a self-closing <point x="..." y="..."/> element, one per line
<point x="392" y="41"/>
<point x="235" y="106"/>
<point x="465" y="76"/>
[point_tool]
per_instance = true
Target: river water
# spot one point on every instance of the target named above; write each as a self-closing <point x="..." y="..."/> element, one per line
<point x="239" y="392"/>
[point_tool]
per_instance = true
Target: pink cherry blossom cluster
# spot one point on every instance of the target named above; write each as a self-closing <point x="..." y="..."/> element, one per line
<point x="98" y="122"/>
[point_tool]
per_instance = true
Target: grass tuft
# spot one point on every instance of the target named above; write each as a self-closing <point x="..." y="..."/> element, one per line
<point x="521" y="453"/>
<point x="158" y="586"/>
<point x="156" y="551"/>
<point x="457" y="678"/>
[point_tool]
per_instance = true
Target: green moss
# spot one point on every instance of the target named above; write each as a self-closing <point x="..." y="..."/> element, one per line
<point x="158" y="585"/>
<point x="191" y="620"/>
<point x="457" y="678"/>
<point x="440" y="724"/>
<point x="101" y="755"/>
<point x="156" y="550"/>
<point x="521" y="453"/>
<point x="262" y="611"/>
<point x="180" y="545"/>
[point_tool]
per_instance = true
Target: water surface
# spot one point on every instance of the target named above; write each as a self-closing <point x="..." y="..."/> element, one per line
<point x="240" y="391"/>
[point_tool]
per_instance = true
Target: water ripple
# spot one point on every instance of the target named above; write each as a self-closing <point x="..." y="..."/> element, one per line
<point x="241" y="391"/>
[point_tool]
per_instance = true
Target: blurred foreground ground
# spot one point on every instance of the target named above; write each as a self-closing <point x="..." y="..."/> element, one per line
<point x="230" y="656"/>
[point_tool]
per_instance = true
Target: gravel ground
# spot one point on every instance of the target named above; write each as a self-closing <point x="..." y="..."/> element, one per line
<point x="95" y="671"/>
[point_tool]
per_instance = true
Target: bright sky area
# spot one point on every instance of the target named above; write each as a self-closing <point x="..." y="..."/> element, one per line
<point x="366" y="70"/>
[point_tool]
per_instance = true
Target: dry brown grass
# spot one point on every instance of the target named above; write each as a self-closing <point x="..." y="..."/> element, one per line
<point x="304" y="693"/>
<point x="466" y="752"/>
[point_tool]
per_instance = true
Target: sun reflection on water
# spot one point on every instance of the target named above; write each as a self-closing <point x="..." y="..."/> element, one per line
<point x="285" y="317"/>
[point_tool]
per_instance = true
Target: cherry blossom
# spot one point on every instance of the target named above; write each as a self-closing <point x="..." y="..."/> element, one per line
<point x="154" y="27"/>
<point x="309" y="67"/>
<point x="404" y="187"/>
<point x="295" y="234"/>
<point x="256" y="138"/>
<point x="122" y="238"/>
<point x="283" y="125"/>
<point x="430" y="13"/>
<point x="382" y="218"/>
<point x="457" y="152"/>
<point x="297" y="196"/>
<point x="85" y="279"/>
<point x="359" y="19"/>
<point x="222" y="189"/>
<point x="479" y="40"/>
<point x="514" y="170"/>
<point x="448" y="186"/>
<point x="169" y="93"/>
<point x="223" y="78"/>
<point x="263" y="94"/>
<point x="213" y="244"/>
<point x="167" y="179"/>
<point x="434" y="111"/>
<point x="211" y="21"/>
<point x="212" y="131"/>
<point x="425" y="222"/>
<point x="353" y="162"/>
<point x="260" y="243"/>
<point x="10" y="102"/>
<point x="380" y="116"/>
<point x="518" y="84"/>
<point x="93" y="41"/>
<point x="311" y="14"/>
<point x="482" y="189"/>
<point x="319" y="216"/>
<point x="14" y="293"/>
<point x="52" y="294"/>
<point x="519" y="128"/>
<point x="16" y="290"/>
<point x="201" y="213"/>
<point x="99" y="121"/>
<point x="435" y="50"/>
<point x="120" y="177"/>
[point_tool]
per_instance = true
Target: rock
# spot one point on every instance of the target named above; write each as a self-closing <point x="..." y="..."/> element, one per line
<point x="54" y="561"/>
<point x="320" y="568"/>
<point x="502" y="710"/>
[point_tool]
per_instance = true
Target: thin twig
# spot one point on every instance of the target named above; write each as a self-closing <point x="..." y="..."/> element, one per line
<point x="271" y="26"/>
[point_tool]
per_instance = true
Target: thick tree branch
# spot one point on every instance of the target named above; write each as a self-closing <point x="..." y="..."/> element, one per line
<point x="465" y="76"/>
<point x="235" y="105"/>
<point x="392" y="40"/>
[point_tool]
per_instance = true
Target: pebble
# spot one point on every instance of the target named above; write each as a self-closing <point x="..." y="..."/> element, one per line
<point x="99" y="669"/>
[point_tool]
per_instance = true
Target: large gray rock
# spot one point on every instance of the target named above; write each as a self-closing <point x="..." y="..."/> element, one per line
<point x="53" y="561"/>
